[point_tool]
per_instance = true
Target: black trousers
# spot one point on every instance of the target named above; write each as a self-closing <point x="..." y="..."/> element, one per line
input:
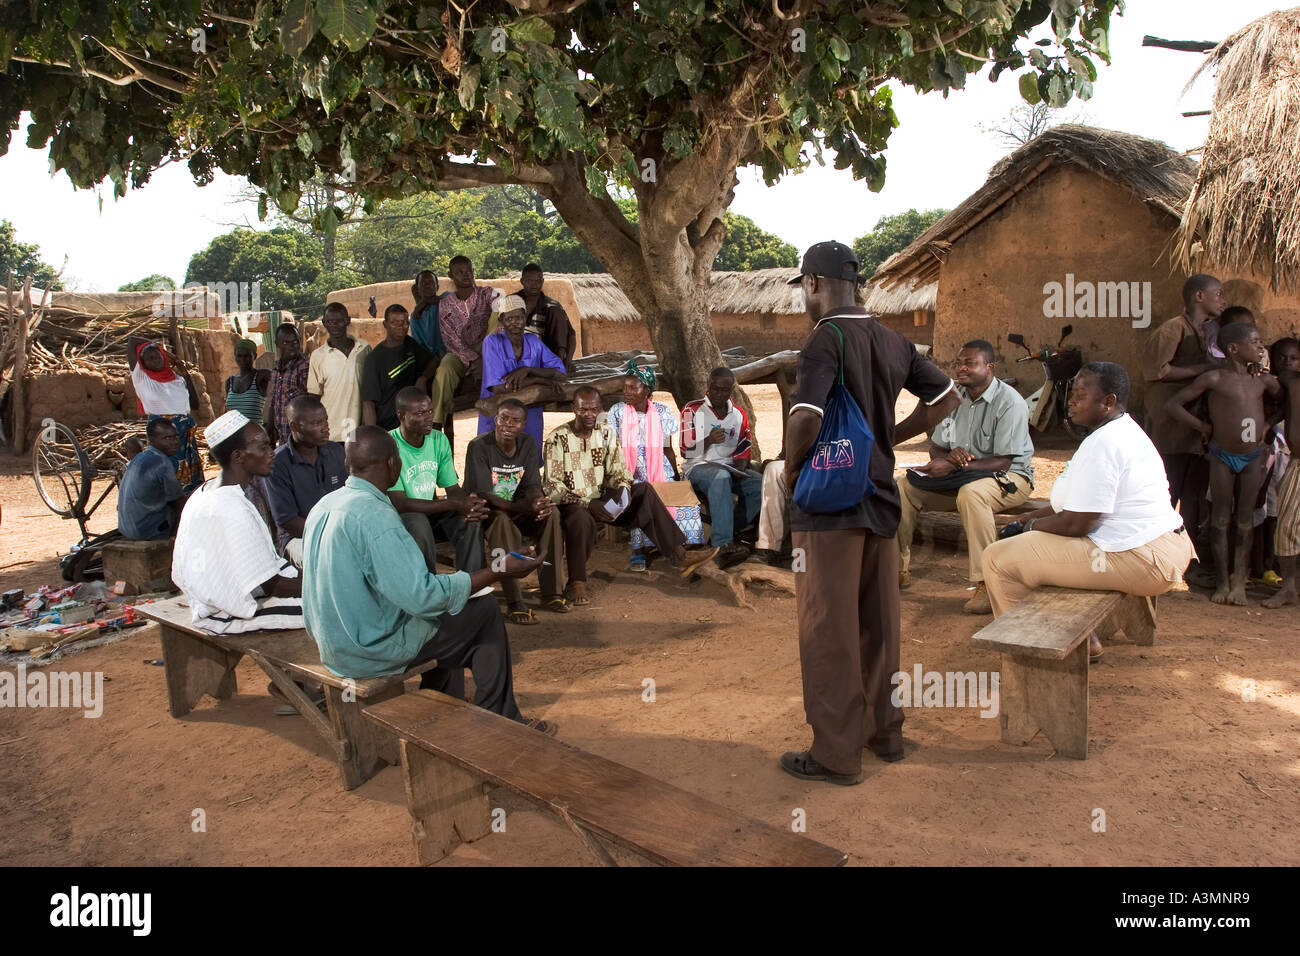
<point x="474" y="638"/>
<point x="644" y="511"/>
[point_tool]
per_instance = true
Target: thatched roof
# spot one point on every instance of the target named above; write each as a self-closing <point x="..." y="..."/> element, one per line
<point x="904" y="297"/>
<point x="762" y="291"/>
<point x="1148" y="168"/>
<point x="1242" y="215"/>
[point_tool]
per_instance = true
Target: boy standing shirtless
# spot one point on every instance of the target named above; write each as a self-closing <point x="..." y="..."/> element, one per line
<point x="1234" y="438"/>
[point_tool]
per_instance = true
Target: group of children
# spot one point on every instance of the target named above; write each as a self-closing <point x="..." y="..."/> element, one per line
<point x="1250" y="420"/>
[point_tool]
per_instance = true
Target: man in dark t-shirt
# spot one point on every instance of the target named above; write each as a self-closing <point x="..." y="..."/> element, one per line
<point x="503" y="468"/>
<point x="849" y="649"/>
<point x="545" y="317"/>
<point x="394" y="364"/>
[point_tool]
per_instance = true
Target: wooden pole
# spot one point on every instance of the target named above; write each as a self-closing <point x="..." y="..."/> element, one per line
<point x="1184" y="46"/>
<point x="19" y="403"/>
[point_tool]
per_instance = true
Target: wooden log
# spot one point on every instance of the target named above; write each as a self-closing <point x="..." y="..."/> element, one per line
<point x="19" y="400"/>
<point x="546" y="392"/>
<point x="768" y="365"/>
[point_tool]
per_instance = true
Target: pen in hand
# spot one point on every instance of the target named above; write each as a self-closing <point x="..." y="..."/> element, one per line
<point x="524" y="557"/>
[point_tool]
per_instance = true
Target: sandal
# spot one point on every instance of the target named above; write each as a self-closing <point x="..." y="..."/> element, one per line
<point x="556" y="604"/>
<point x="577" y="594"/>
<point x="636" y="562"/>
<point x="524" y="616"/>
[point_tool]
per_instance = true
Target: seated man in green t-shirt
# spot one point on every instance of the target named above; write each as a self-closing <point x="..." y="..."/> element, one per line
<point x="426" y="467"/>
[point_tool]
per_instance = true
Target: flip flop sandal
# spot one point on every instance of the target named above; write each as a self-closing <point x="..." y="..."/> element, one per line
<point x="522" y="617"/>
<point x="636" y="563"/>
<point x="556" y="605"/>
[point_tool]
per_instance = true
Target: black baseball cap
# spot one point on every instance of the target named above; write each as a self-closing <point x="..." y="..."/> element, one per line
<point x="833" y="260"/>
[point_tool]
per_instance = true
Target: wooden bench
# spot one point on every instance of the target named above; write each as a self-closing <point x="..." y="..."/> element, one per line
<point x="199" y="663"/>
<point x="1043" y="641"/>
<point x="453" y="752"/>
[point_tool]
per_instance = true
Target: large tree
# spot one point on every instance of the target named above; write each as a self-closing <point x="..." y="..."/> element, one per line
<point x="23" y="259"/>
<point x="666" y="98"/>
<point x="285" y="264"/>
<point x="892" y="234"/>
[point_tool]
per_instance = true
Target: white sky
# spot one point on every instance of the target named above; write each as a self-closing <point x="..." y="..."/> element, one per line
<point x="936" y="157"/>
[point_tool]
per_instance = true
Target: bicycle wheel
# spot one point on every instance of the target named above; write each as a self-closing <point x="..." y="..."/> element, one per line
<point x="61" y="470"/>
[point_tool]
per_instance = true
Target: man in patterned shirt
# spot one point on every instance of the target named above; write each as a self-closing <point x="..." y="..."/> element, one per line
<point x="288" y="381"/>
<point x="587" y="478"/>
<point x="463" y="315"/>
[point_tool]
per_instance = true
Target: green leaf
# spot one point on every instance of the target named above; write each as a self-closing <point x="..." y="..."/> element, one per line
<point x="1038" y="59"/>
<point x="831" y="68"/>
<point x="840" y="49"/>
<point x="688" y="69"/>
<point x="905" y="43"/>
<point x="1058" y="94"/>
<point x="350" y="22"/>
<point x="531" y="30"/>
<point x="662" y="76"/>
<point x="469" y="77"/>
<point x="297" y="26"/>
<point x="595" y="180"/>
<point x="1029" y="88"/>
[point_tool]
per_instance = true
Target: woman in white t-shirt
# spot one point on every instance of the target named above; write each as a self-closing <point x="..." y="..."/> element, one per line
<point x="1110" y="526"/>
<point x="164" y="391"/>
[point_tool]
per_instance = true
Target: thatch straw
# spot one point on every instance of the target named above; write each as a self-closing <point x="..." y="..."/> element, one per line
<point x="764" y="291"/>
<point x="1242" y="215"/>
<point x="904" y="297"/>
<point x="1146" y="167"/>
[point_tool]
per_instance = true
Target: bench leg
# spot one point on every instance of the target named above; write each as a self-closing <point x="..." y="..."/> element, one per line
<point x="1052" y="696"/>
<point x="1136" y="617"/>
<point x="194" y="668"/>
<point x="367" y="748"/>
<point x="448" y="806"/>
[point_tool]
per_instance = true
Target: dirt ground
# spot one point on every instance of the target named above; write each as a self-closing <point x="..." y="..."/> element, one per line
<point x="1185" y="771"/>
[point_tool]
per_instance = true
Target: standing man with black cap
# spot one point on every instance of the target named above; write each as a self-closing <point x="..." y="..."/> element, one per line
<point x="847" y="593"/>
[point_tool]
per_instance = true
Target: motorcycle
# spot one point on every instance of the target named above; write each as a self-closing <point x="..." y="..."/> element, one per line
<point x="1047" y="405"/>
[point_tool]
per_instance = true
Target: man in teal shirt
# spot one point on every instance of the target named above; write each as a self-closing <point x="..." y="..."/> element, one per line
<point x="427" y="466"/>
<point x="374" y="610"/>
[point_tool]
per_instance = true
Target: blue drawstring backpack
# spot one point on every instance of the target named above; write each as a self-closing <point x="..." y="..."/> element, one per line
<point x="835" y="475"/>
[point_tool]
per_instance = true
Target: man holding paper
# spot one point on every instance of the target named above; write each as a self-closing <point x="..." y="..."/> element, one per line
<point x="588" y="479"/>
<point x="715" y="456"/>
<point x="980" y="464"/>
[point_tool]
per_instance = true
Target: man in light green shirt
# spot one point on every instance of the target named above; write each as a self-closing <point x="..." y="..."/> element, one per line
<point x="427" y="466"/>
<point x="373" y="610"/>
<point x="987" y="432"/>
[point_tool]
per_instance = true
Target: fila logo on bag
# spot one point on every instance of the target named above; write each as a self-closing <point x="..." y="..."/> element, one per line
<point x="833" y="454"/>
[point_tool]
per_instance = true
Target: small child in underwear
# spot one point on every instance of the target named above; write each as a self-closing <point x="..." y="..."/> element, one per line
<point x="1234" y="438"/>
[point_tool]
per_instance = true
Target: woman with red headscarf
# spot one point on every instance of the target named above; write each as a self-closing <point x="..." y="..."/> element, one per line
<point x="162" y="392"/>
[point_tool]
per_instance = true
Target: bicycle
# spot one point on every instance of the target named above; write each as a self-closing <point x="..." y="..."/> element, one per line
<point x="65" y="478"/>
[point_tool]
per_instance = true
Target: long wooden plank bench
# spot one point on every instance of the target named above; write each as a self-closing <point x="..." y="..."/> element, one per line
<point x="1043" y="641"/>
<point x="199" y="663"/>
<point x="453" y="752"/>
